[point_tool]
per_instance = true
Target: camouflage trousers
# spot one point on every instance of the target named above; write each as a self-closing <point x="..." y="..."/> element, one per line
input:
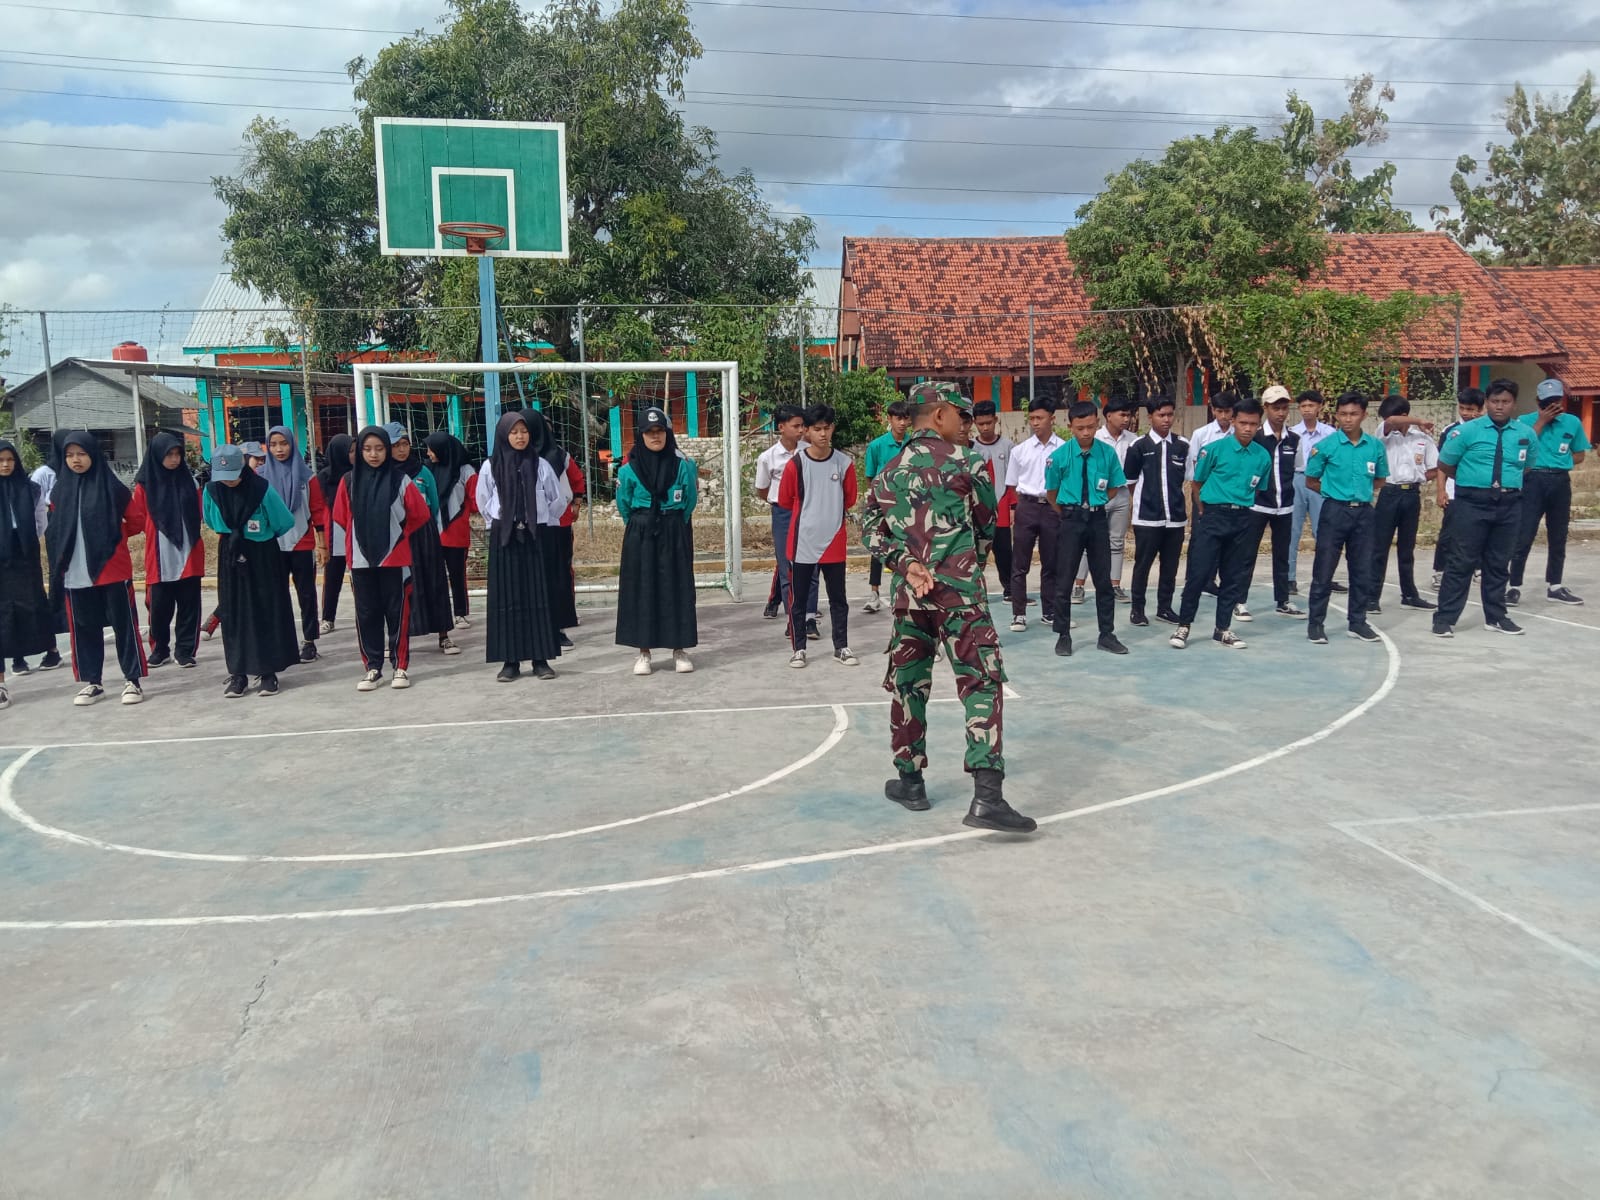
<point x="969" y="639"/>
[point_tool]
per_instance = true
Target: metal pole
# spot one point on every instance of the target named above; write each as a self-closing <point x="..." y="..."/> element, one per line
<point x="583" y="419"/>
<point x="732" y="499"/>
<point x="800" y="342"/>
<point x="491" y="344"/>
<point x="138" y="418"/>
<point x="49" y="373"/>
<point x="305" y="382"/>
<point x="1030" y="354"/>
<point x="1455" y="370"/>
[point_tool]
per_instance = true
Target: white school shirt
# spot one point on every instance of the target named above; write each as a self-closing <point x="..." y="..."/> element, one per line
<point x="45" y="477"/>
<point x="1310" y="435"/>
<point x="1028" y="459"/>
<point x="1120" y="443"/>
<point x="1412" y="454"/>
<point x="770" y="467"/>
<point x="1206" y="434"/>
<point x="77" y="573"/>
<point x="548" y="501"/>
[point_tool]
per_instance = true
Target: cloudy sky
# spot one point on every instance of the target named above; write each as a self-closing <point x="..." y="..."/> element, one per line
<point x="104" y="204"/>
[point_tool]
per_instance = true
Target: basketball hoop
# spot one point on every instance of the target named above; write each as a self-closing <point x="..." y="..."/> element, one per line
<point x="475" y="236"/>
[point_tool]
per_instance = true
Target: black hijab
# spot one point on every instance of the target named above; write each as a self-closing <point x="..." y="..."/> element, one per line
<point x="452" y="456"/>
<point x="236" y="506"/>
<point x="19" y="537"/>
<point x="96" y="499"/>
<point x="656" y="469"/>
<point x="338" y="466"/>
<point x="516" y="476"/>
<point x="372" y="493"/>
<point x="542" y="441"/>
<point x="58" y="450"/>
<point x="170" y="494"/>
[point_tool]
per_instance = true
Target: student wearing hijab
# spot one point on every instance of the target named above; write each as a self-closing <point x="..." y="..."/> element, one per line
<point x="174" y="553"/>
<point x="45" y="476"/>
<point x="555" y="537"/>
<point x="26" y="626"/>
<point x="657" y="489"/>
<point x="92" y="516"/>
<point x="430" y="585"/>
<point x="517" y="492"/>
<point x="341" y="455"/>
<point x="250" y="518"/>
<point x="379" y="509"/>
<point x="290" y="476"/>
<point x="456" y="483"/>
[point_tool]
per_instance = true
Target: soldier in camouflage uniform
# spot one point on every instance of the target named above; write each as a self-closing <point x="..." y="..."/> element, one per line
<point x="930" y="518"/>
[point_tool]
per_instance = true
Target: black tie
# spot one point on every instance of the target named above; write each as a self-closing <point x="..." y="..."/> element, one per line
<point x="1499" y="454"/>
<point x="1083" y="497"/>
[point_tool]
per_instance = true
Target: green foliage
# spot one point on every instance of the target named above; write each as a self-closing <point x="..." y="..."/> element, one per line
<point x="862" y="398"/>
<point x="1346" y="202"/>
<point x="1539" y="202"/>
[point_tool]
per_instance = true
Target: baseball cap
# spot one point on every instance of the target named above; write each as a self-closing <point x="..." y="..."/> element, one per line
<point x="1277" y="392"/>
<point x="654" y="418"/>
<point x="1551" y="390"/>
<point x="254" y="449"/>
<point x="227" y="463"/>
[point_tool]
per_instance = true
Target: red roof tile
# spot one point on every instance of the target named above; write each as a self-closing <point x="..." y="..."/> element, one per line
<point x="1567" y="301"/>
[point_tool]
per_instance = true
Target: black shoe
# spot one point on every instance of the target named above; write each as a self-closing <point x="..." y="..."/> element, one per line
<point x="1416" y="602"/>
<point x="542" y="669"/>
<point x="187" y="663"/>
<point x="1167" y="615"/>
<point x="1064" y="646"/>
<point x="269" y="686"/>
<point x="812" y="632"/>
<point x="50" y="661"/>
<point x="158" y="658"/>
<point x="308" y="652"/>
<point x="1364" y="633"/>
<point x="1561" y="595"/>
<point x="566" y="642"/>
<point x="235" y="688"/>
<point x="1338" y="587"/>
<point x="908" y="791"/>
<point x="508" y="673"/>
<point x="770" y="612"/>
<point x="1109" y="643"/>
<point x="1316" y="635"/>
<point x="1375" y="610"/>
<point x="1294" y="589"/>
<point x="19" y="666"/>
<point x="989" y="809"/>
<point x="1443" y="631"/>
<point x="1513" y="597"/>
<point x="1504" y="625"/>
<point x="1137" y="617"/>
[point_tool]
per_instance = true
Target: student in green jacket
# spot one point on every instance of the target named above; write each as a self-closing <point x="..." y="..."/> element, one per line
<point x="657" y="490"/>
<point x="880" y="452"/>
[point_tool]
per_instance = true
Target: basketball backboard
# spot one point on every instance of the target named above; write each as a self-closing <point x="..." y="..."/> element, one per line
<point x="507" y="173"/>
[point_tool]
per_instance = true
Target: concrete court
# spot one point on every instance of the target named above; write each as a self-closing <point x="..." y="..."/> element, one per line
<point x="1361" y="959"/>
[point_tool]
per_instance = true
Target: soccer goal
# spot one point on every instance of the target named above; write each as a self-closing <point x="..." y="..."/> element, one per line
<point x="591" y="408"/>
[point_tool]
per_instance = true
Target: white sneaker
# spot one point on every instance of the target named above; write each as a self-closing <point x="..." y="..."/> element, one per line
<point x="5" y="698"/>
<point x="875" y="604"/>
<point x="463" y="623"/>
<point x="681" y="663"/>
<point x="641" y="665"/>
<point x="1078" y="594"/>
<point x="446" y="646"/>
<point x="327" y="626"/>
<point x="797" y="660"/>
<point x="88" y="695"/>
<point x="1019" y="624"/>
<point x="207" y="634"/>
<point x="370" y="681"/>
<point x="1228" y="638"/>
<point x="1241" y="613"/>
<point x="846" y="657"/>
<point x="132" y="693"/>
<point x="1438" y="581"/>
<point x="1180" y="638"/>
<point x="400" y="680"/>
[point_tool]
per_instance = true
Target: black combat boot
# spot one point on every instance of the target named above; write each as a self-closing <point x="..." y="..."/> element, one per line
<point x="989" y="808"/>
<point x="908" y="791"/>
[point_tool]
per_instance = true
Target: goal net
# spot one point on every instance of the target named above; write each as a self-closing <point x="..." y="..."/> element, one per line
<point x="592" y="409"/>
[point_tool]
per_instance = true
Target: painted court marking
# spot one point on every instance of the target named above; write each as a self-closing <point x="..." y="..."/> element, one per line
<point x="1519" y="611"/>
<point x="1391" y="677"/>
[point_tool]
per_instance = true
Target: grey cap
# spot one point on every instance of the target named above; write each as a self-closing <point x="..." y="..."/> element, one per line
<point x="654" y="418"/>
<point x="1551" y="389"/>
<point x="227" y="463"/>
<point x="254" y="449"/>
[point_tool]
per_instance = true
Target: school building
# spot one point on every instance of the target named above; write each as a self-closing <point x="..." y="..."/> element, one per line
<point x="979" y="310"/>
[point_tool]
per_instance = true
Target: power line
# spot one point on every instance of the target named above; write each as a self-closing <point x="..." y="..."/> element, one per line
<point x="233" y="154"/>
<point x="1323" y="33"/>
<point x="100" y="12"/>
<point x="174" y="100"/>
<point x="174" y="62"/>
<point x="22" y="62"/>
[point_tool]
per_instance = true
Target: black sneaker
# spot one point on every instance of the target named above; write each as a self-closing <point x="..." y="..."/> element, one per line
<point x="566" y="642"/>
<point x="1167" y="615"/>
<point x="1374" y="609"/>
<point x="1338" y="587"/>
<point x="1561" y="596"/>
<point x="308" y="652"/>
<point x="1364" y="633"/>
<point x="1417" y="602"/>
<point x="269" y="686"/>
<point x="187" y="663"/>
<point x="1513" y="597"/>
<point x="19" y="666"/>
<point x="770" y="612"/>
<point x="812" y="632"/>
<point x="1294" y="588"/>
<point x="1137" y="617"/>
<point x="1064" y="646"/>
<point x="50" y="661"/>
<point x="1111" y="645"/>
<point x="1228" y="638"/>
<point x="1504" y="625"/>
<point x="1293" y="611"/>
<point x="1179" y="638"/>
<point x="908" y="791"/>
<point x="542" y="669"/>
<point x="1316" y="635"/>
<point x="508" y="673"/>
<point x="158" y="658"/>
<point x="235" y="688"/>
<point x="1443" y="631"/>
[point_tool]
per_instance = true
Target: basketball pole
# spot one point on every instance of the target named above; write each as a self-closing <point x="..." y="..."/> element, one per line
<point x="491" y="345"/>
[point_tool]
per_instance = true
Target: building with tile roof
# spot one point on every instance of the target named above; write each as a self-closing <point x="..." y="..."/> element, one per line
<point x="1566" y="301"/>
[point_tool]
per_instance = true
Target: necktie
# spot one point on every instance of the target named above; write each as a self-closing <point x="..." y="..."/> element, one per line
<point x="1083" y="497"/>
<point x="1499" y="454"/>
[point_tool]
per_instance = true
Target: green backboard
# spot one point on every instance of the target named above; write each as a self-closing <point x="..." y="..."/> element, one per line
<point x="509" y="173"/>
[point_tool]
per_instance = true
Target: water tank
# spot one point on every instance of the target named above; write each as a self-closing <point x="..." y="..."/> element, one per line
<point x="129" y="352"/>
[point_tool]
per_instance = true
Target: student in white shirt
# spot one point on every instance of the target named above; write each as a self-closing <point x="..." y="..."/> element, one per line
<point x="1034" y="519"/>
<point x="1119" y="414"/>
<point x="789" y="424"/>
<point x="1413" y="464"/>
<point x="819" y="490"/>
<point x="1307" y="504"/>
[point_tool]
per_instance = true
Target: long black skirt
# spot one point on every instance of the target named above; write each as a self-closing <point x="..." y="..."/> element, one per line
<point x="430" y="584"/>
<point x="521" y="625"/>
<point x="258" y="633"/>
<point x="655" y="607"/>
<point x="27" y="626"/>
<point x="555" y="547"/>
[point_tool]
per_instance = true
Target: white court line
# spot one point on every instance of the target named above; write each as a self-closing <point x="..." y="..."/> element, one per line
<point x="1518" y="610"/>
<point x="1469" y="816"/>
<point x="1391" y="677"/>
<point x="1549" y="939"/>
<point x="10" y="807"/>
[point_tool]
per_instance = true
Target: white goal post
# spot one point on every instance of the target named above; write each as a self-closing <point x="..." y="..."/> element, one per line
<point x="372" y="408"/>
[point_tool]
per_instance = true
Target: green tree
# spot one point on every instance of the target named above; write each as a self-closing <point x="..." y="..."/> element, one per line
<point x="1346" y="202"/>
<point x="1539" y="201"/>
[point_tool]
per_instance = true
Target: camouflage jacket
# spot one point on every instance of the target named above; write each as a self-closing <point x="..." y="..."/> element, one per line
<point x="934" y="504"/>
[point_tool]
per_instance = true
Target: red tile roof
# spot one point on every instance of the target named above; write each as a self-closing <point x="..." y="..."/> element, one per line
<point x="1567" y="302"/>
<point x="916" y="295"/>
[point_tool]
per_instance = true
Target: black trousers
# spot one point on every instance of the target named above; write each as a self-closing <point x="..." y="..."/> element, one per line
<point x="1280" y="525"/>
<point x="1034" y="522"/>
<point x="302" y="568"/>
<point x="455" y="568"/>
<point x="89" y="611"/>
<point x="162" y="601"/>
<point x="1397" y="513"/>
<point x="1002" y="558"/>
<point x="1151" y="542"/>
<point x="1344" y="529"/>
<point x="383" y="615"/>
<point x="1441" y="548"/>
<point x="1223" y="547"/>
<point x="1483" y="537"/>
<point x="332" y="585"/>
<point x="1085" y="531"/>
<point x="1546" y="493"/>
<point x="874" y="575"/>
<point x="800" y="577"/>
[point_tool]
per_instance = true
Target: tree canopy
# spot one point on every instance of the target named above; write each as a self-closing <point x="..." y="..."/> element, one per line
<point x="1539" y="201"/>
<point x="1346" y="202"/>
